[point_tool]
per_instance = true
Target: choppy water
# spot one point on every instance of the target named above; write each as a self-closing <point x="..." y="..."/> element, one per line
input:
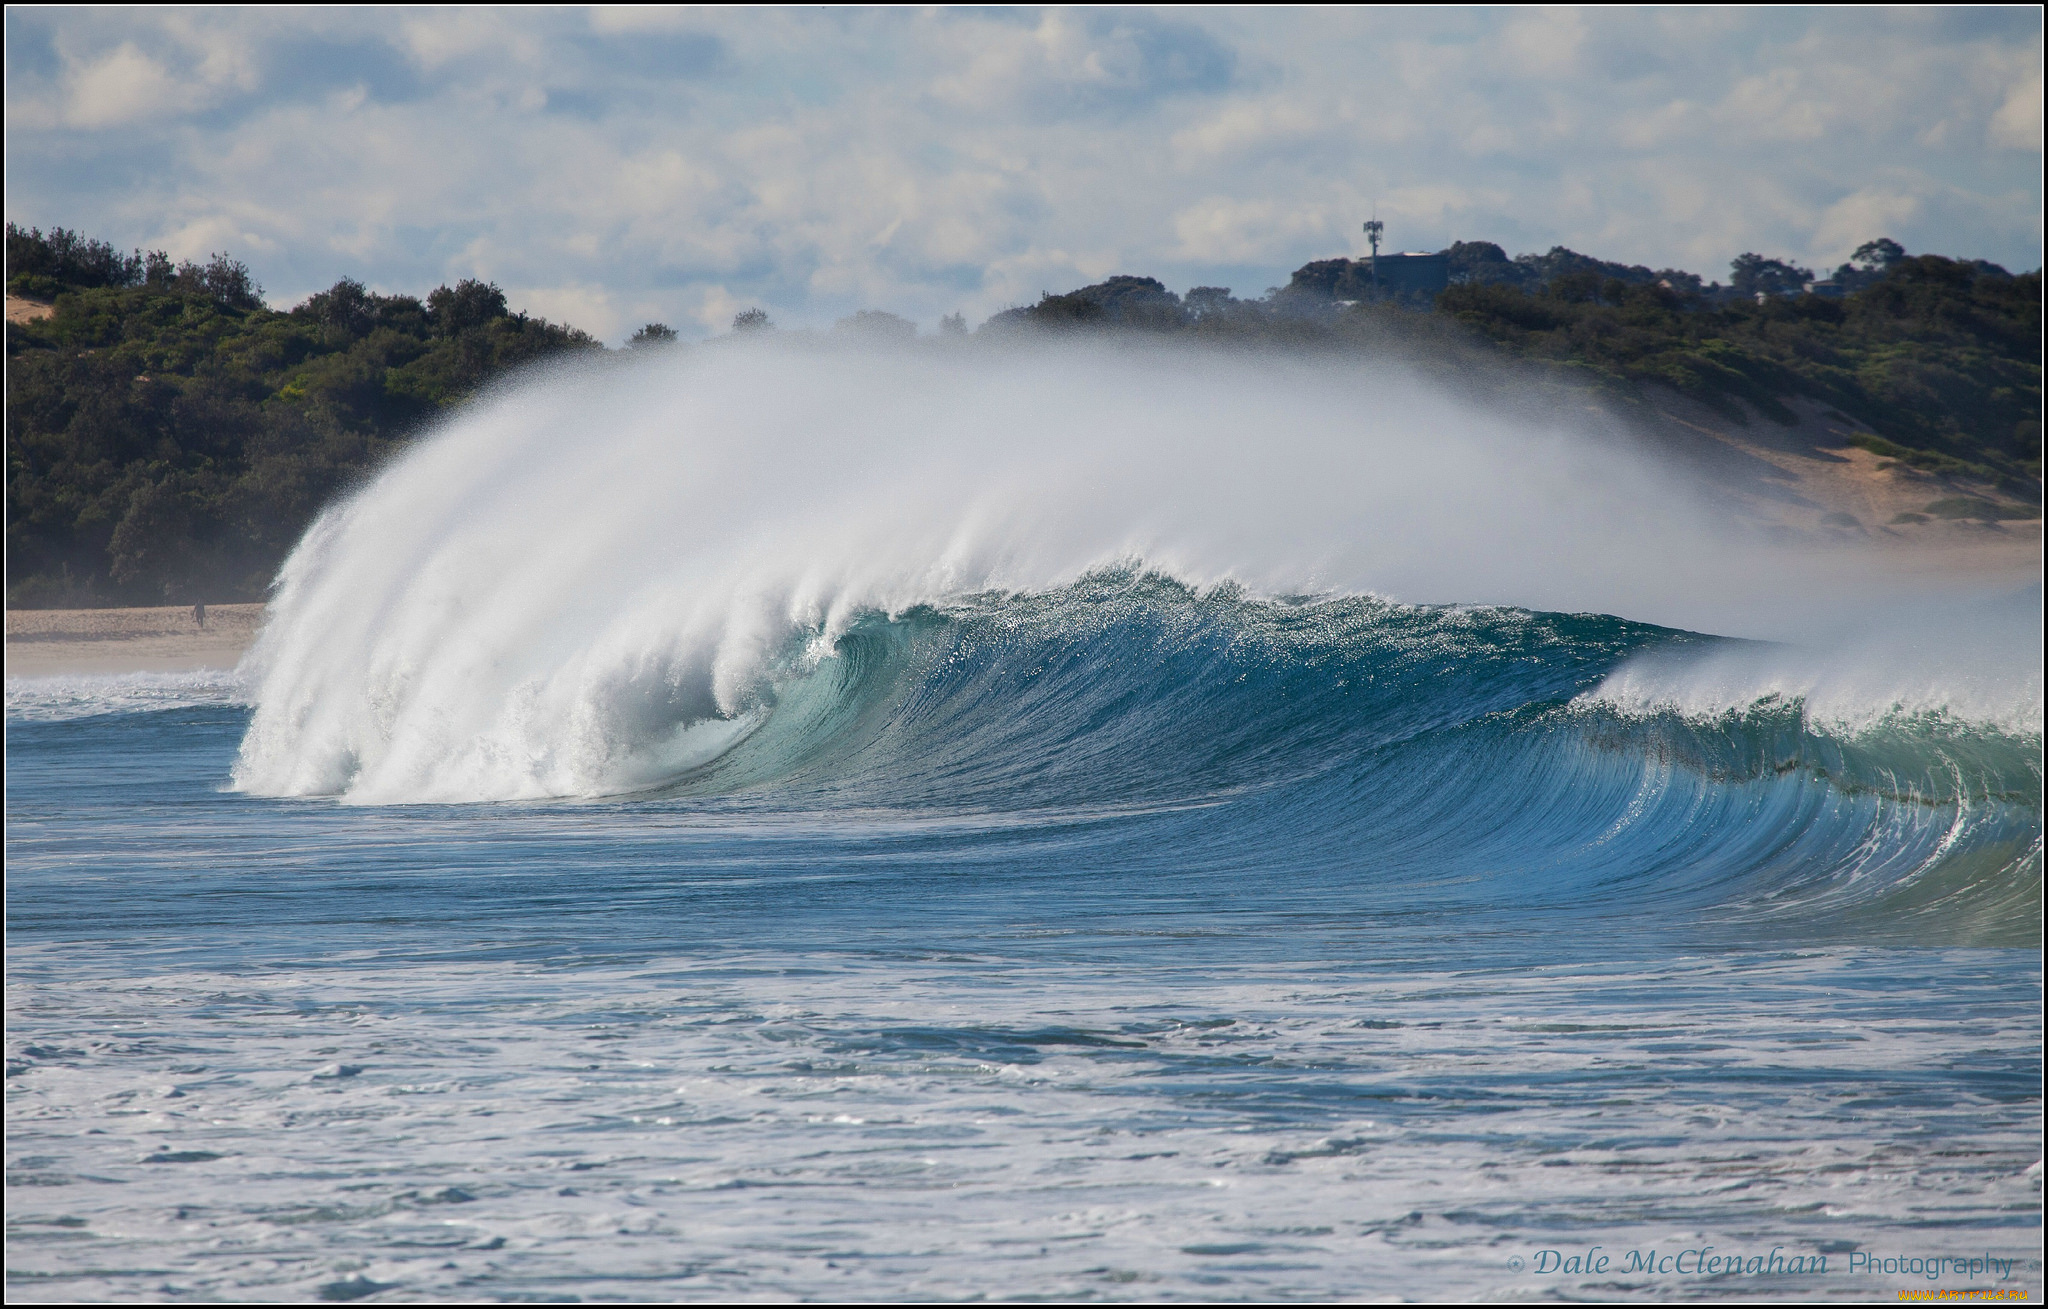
<point x="1122" y="942"/>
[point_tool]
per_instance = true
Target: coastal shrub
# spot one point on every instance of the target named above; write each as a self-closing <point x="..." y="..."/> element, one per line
<point x="877" y="325"/>
<point x="1970" y="506"/>
<point x="468" y="304"/>
<point x="169" y="437"/>
<point x="40" y="265"/>
<point x="1937" y="360"/>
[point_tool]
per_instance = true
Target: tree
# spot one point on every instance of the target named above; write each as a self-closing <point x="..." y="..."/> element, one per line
<point x="169" y="436"/>
<point x="652" y="334"/>
<point x="1482" y="262"/>
<point x="1122" y="301"/>
<point x="877" y="325"/>
<point x="1753" y="275"/>
<point x="222" y="280"/>
<point x="42" y="264"/>
<point x="346" y="305"/>
<point x="468" y="304"/>
<point x="751" y="320"/>
<point x="1876" y="256"/>
<point x="953" y="325"/>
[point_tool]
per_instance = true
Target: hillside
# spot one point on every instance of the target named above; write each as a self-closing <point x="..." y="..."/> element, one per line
<point x="169" y="436"/>
<point x="1933" y="362"/>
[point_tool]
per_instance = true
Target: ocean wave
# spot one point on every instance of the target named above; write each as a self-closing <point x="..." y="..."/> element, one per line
<point x="1415" y="747"/>
<point x="1972" y="660"/>
<point x="738" y="583"/>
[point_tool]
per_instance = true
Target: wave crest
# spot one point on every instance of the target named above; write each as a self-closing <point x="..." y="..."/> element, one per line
<point x="533" y="605"/>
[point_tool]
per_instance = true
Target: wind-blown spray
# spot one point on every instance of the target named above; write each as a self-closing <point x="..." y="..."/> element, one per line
<point x="604" y="580"/>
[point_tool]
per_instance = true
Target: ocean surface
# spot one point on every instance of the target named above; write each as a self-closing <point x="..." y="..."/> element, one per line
<point x="804" y="824"/>
<point x="1124" y="942"/>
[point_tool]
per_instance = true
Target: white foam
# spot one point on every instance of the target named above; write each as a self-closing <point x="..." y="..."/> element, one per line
<point x="573" y="581"/>
<point x="1972" y="659"/>
<point x="808" y="1128"/>
<point x="87" y="695"/>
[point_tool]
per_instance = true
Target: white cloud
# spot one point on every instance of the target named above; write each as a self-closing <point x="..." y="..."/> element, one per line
<point x="1775" y="106"/>
<point x="122" y="86"/>
<point x="1546" y="41"/>
<point x="443" y="36"/>
<point x="1244" y="126"/>
<point x="715" y="309"/>
<point x="1073" y="59"/>
<point x="593" y="308"/>
<point x="214" y="234"/>
<point x="2017" y="124"/>
<point x="1663" y="126"/>
<point x="1219" y="230"/>
<point x="641" y="18"/>
<point x="1871" y="212"/>
<point x="617" y="166"/>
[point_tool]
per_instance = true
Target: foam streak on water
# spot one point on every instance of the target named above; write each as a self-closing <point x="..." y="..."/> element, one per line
<point x="57" y="698"/>
<point x="804" y="1128"/>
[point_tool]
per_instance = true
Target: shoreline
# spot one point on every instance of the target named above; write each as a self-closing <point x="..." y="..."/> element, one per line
<point x="110" y="642"/>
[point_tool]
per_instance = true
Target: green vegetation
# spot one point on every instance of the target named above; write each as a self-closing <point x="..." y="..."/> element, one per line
<point x="876" y="325"/>
<point x="1938" y="360"/>
<point x="169" y="437"/>
<point x="1978" y="508"/>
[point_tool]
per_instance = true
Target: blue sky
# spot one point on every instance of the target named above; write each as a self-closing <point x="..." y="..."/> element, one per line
<point x="611" y="167"/>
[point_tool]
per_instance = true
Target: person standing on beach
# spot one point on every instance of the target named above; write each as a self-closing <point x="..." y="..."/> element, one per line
<point x="199" y="615"/>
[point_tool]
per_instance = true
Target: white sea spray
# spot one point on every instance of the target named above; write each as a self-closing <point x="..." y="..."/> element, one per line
<point x="589" y="579"/>
<point x="1973" y="658"/>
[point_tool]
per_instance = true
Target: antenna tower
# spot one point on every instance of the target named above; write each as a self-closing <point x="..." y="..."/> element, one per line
<point x="1373" y="228"/>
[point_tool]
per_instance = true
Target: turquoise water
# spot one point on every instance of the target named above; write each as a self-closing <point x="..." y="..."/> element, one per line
<point x="1125" y="940"/>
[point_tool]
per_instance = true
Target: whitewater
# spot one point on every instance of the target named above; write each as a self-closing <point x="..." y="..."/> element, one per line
<point x="782" y="819"/>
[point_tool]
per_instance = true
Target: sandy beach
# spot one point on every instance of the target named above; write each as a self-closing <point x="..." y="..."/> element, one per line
<point x="50" y="642"/>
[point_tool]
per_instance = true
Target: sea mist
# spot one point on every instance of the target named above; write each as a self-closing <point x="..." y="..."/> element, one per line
<point x="587" y="580"/>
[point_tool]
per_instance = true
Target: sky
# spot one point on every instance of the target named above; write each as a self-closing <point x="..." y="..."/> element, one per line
<point x="610" y="168"/>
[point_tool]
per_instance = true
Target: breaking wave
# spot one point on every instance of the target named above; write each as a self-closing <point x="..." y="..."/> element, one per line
<point x="1075" y="590"/>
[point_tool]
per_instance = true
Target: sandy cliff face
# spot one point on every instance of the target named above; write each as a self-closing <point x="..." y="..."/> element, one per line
<point x="20" y="310"/>
<point x="1807" y="483"/>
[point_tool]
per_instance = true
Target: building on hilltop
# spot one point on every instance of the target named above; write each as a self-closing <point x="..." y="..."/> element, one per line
<point x="1410" y="275"/>
<point x="1413" y="273"/>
